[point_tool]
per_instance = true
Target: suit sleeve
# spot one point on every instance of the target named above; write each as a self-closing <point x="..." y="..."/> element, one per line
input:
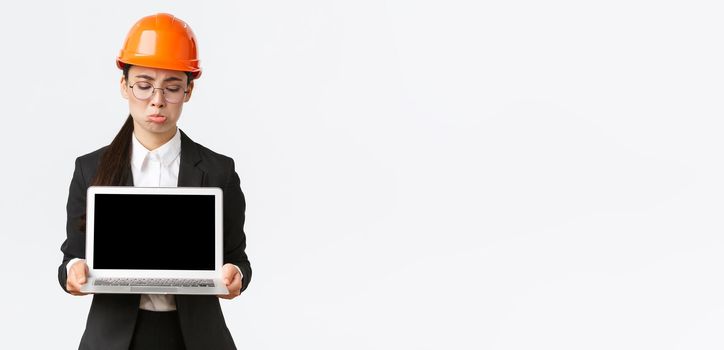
<point x="234" y="237"/>
<point x="74" y="244"/>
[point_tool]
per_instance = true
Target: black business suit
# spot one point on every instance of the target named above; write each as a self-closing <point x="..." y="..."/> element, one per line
<point x="112" y="317"/>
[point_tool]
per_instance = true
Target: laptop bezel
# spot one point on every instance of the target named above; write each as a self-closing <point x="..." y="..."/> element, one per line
<point x="218" y="231"/>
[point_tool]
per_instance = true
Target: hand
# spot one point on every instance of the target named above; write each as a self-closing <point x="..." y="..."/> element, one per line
<point x="76" y="277"/>
<point x="232" y="279"/>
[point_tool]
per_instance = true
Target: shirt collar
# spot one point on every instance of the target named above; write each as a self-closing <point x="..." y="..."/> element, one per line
<point x="166" y="153"/>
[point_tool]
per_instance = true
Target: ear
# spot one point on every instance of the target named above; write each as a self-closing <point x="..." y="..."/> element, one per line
<point x="190" y="90"/>
<point x="124" y="88"/>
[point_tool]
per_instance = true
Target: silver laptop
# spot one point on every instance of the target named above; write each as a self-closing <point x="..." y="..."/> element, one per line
<point x="154" y="240"/>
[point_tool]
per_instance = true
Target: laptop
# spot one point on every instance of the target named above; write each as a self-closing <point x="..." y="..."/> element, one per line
<point x="154" y="240"/>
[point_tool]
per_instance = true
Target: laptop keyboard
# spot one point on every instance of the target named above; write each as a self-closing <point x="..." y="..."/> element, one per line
<point x="154" y="282"/>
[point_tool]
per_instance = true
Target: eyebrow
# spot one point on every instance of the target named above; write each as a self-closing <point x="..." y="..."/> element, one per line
<point x="148" y="77"/>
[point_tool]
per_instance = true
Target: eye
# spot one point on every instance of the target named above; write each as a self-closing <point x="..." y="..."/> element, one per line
<point x="173" y="88"/>
<point x="143" y="85"/>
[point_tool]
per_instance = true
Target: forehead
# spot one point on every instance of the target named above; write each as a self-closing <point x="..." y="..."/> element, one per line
<point x="156" y="73"/>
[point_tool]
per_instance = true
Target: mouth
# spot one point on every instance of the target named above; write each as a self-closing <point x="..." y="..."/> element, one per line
<point x="157" y="118"/>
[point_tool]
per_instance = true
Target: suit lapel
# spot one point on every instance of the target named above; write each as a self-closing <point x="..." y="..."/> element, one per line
<point x="189" y="174"/>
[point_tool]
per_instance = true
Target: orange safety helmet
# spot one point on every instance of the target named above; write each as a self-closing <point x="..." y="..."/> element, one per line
<point x="161" y="41"/>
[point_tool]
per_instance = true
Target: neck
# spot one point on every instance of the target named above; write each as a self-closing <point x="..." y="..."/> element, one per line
<point x="152" y="140"/>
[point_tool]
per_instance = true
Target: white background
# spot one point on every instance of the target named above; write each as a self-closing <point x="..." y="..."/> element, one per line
<point x="418" y="174"/>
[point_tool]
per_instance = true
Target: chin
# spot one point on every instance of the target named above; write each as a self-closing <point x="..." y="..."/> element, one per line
<point x="159" y="129"/>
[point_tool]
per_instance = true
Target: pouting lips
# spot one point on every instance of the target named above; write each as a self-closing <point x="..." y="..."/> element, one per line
<point x="157" y="118"/>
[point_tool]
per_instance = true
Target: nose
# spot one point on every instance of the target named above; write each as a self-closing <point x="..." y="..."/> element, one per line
<point x="157" y="99"/>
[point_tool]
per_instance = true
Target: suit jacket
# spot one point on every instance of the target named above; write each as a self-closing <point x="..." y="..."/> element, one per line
<point x="112" y="317"/>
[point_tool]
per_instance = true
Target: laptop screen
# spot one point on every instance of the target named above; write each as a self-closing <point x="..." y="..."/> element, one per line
<point x="154" y="232"/>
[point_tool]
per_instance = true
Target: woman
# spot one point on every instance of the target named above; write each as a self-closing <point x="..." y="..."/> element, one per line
<point x="159" y="63"/>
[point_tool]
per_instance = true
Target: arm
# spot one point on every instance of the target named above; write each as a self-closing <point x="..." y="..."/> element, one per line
<point x="234" y="237"/>
<point x="74" y="244"/>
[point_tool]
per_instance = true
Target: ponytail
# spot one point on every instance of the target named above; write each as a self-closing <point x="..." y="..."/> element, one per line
<point x="112" y="170"/>
<point x="113" y="167"/>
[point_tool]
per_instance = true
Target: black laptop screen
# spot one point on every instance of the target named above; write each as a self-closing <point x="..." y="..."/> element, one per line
<point x="154" y="232"/>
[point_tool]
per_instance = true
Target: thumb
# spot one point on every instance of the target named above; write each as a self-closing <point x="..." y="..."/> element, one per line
<point x="71" y="275"/>
<point x="82" y="273"/>
<point x="228" y="274"/>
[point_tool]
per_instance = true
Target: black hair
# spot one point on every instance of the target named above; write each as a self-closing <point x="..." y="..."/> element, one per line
<point x="127" y="67"/>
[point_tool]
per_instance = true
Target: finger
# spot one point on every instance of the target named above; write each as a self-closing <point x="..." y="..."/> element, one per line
<point x="80" y="275"/>
<point x="70" y="284"/>
<point x="234" y="290"/>
<point x="229" y="272"/>
<point x="226" y="296"/>
<point x="78" y="272"/>
<point x="235" y="286"/>
<point x="73" y="286"/>
<point x="229" y="296"/>
<point x="232" y="280"/>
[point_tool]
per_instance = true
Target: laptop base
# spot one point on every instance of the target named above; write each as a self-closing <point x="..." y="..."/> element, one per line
<point x="219" y="288"/>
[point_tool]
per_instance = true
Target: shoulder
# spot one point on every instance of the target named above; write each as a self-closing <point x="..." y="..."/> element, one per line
<point x="93" y="155"/>
<point x="91" y="160"/>
<point x="208" y="159"/>
<point x="208" y="155"/>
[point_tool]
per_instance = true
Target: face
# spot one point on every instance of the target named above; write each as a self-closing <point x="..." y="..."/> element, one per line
<point x="155" y="116"/>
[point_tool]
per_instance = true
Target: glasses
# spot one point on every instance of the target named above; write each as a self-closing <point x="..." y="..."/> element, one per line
<point x="144" y="90"/>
